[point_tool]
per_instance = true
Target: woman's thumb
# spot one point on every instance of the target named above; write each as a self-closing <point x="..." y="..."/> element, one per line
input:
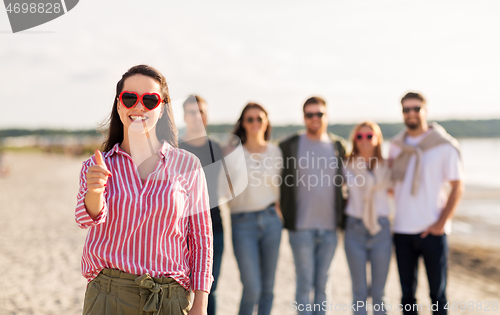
<point x="99" y="159"/>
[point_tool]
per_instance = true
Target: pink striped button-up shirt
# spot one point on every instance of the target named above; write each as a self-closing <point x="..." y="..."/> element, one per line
<point x="146" y="228"/>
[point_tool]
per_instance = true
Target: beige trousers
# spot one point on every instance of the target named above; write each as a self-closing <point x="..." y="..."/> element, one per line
<point x="114" y="292"/>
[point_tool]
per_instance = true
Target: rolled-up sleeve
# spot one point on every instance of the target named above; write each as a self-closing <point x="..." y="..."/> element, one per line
<point x="82" y="217"/>
<point x="200" y="230"/>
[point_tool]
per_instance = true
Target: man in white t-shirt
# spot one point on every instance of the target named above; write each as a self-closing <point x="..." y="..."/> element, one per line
<point x="424" y="160"/>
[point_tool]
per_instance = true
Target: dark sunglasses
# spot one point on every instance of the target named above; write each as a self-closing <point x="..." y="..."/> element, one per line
<point x="367" y="136"/>
<point x="149" y="100"/>
<point x="416" y="109"/>
<point x="311" y="115"/>
<point x="250" y="120"/>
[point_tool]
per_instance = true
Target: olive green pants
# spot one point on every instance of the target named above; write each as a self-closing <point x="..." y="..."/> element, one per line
<point x="114" y="292"/>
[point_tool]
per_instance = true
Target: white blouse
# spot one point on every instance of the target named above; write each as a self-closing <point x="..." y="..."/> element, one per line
<point x="261" y="186"/>
<point x="356" y="189"/>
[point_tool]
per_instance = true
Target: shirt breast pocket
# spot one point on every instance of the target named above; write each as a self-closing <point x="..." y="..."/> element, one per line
<point x="178" y="197"/>
<point x="176" y="188"/>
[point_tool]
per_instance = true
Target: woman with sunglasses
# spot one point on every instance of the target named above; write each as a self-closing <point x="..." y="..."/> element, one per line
<point x="145" y="203"/>
<point x="255" y="217"/>
<point x="367" y="235"/>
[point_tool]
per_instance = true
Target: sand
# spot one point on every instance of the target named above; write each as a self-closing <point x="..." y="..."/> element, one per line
<point x="41" y="245"/>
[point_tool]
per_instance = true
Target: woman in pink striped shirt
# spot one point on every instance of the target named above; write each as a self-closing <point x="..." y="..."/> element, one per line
<point x="145" y="203"/>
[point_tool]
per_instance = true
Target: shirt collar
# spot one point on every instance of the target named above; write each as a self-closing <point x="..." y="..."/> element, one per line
<point x="116" y="149"/>
<point x="164" y="148"/>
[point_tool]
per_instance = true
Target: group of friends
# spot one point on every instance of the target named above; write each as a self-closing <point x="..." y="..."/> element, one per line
<point x="151" y="203"/>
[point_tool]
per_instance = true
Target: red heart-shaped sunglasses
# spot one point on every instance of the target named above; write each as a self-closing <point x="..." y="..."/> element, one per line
<point x="149" y="100"/>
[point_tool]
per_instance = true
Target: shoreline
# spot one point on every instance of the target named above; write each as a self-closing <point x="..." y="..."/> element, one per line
<point x="477" y="262"/>
<point x="481" y="192"/>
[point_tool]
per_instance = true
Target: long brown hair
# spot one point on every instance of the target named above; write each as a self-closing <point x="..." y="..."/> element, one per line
<point x="165" y="127"/>
<point x="241" y="133"/>
<point x="378" y="133"/>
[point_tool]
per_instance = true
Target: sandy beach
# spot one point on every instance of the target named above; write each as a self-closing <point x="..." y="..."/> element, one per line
<point x="40" y="250"/>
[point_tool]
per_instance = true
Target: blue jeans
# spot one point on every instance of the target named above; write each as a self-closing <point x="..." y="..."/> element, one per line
<point x="313" y="252"/>
<point x="218" y="249"/>
<point x="434" y="250"/>
<point x="360" y="248"/>
<point x="256" y="242"/>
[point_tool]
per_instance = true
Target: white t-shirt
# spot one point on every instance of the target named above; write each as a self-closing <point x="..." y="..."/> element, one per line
<point x="264" y="177"/>
<point x="439" y="165"/>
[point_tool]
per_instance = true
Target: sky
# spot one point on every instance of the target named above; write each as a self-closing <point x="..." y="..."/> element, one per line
<point x="361" y="56"/>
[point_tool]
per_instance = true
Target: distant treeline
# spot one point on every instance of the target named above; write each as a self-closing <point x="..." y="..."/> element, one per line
<point x="457" y="128"/>
<point x="4" y="133"/>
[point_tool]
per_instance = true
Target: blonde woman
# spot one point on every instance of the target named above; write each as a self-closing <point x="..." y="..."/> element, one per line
<point x="367" y="235"/>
